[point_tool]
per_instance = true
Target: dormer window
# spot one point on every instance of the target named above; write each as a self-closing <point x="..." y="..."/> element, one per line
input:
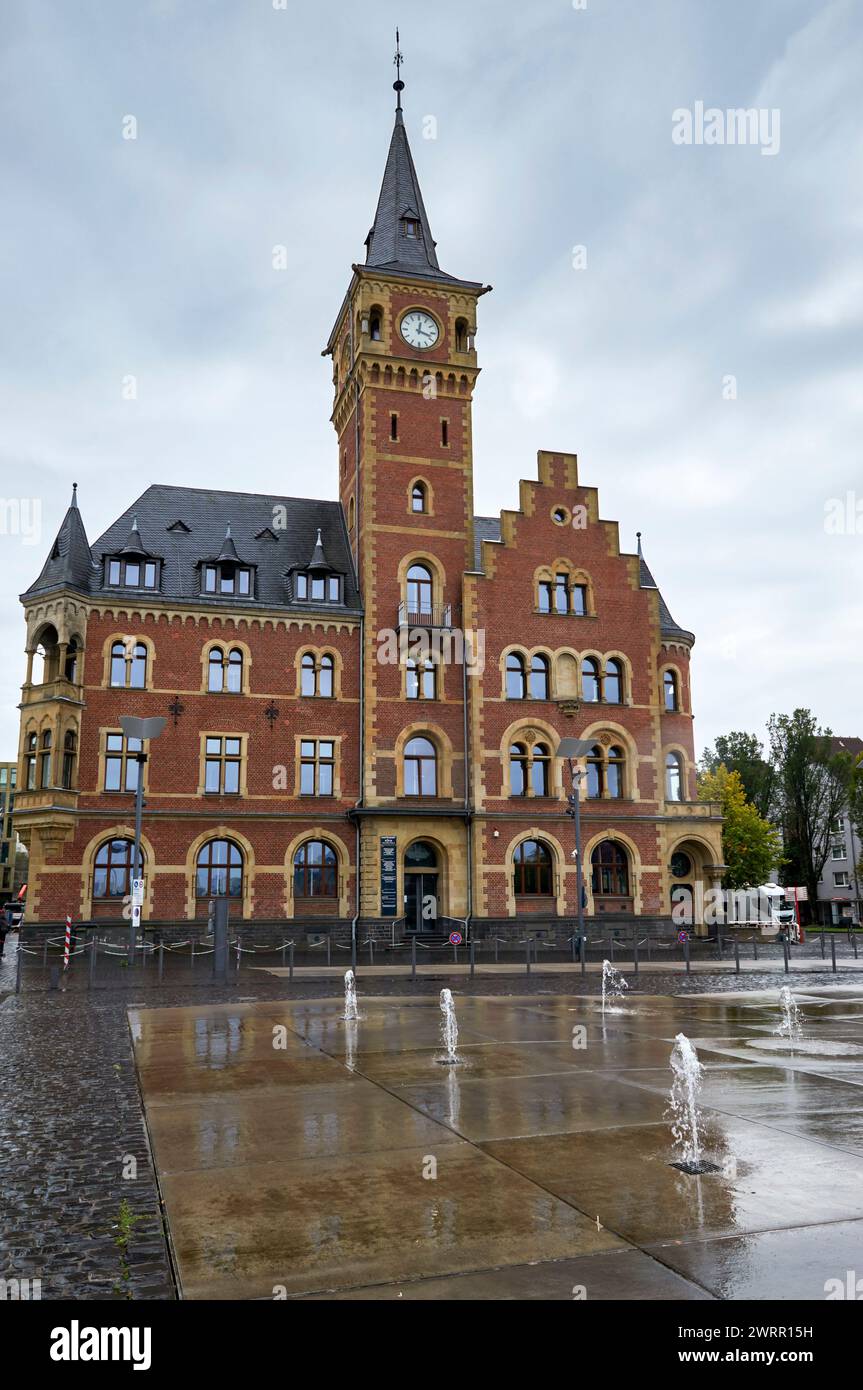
<point x="132" y="574"/>
<point x="319" y="588"/>
<point x="412" y="227"/>
<point x="227" y="579"/>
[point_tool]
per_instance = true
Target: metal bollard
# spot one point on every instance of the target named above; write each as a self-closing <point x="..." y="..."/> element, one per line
<point x="92" y="979"/>
<point x="192" y="957"/>
<point x="413" y="959"/>
<point x="736" y="958"/>
<point x="354" y="952"/>
<point x="581" y="952"/>
<point x="572" y="947"/>
<point x="686" y="954"/>
<point x="611" y="944"/>
<point x="329" y="950"/>
<point x="239" y="952"/>
<point x="291" y="967"/>
<point x="755" y="948"/>
<point x="18" y="957"/>
<point x="822" y="944"/>
<point x="371" y="951"/>
<point x="635" y="954"/>
<point x="787" y="955"/>
<point x="719" y="943"/>
<point x="44" y="949"/>
<point x="472" y="959"/>
<point x="833" y="952"/>
<point x="854" y="944"/>
<point x="161" y="960"/>
<point x="527" y="953"/>
<point x="496" y="943"/>
<point x="284" y="950"/>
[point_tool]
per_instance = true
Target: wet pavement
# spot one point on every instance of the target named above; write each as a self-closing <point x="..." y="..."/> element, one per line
<point x="303" y="1157"/>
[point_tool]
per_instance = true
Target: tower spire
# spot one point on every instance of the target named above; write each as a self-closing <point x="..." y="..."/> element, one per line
<point x="398" y="85"/>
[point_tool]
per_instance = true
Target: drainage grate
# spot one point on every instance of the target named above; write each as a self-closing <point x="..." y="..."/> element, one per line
<point x="702" y="1166"/>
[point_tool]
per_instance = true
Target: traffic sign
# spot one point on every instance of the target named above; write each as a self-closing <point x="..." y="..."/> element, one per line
<point x="455" y="938"/>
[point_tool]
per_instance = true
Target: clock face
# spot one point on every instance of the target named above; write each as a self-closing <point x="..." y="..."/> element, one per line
<point x="419" y="330"/>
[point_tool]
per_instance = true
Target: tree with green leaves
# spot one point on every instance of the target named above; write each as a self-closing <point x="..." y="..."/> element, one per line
<point x="813" y="784"/>
<point x="751" y="846"/>
<point x="744" y="754"/>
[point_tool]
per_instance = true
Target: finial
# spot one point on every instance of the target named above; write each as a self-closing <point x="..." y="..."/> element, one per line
<point x="228" y="531"/>
<point x="74" y="494"/>
<point x="638" y="536"/>
<point x="398" y="85"/>
<point x="319" y="541"/>
<point x="135" y="522"/>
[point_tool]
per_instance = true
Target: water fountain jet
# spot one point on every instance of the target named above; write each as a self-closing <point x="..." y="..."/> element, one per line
<point x="449" y="1030"/>
<point x="791" y="1026"/>
<point x="351" y="1013"/>
<point x="685" y="1089"/>
<point x="613" y="984"/>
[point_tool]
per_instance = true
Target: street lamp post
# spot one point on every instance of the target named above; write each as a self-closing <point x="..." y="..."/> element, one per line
<point x="572" y="749"/>
<point x="144" y="730"/>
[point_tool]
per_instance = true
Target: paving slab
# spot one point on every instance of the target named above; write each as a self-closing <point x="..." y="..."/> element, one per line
<point x="623" y="1176"/>
<point x="611" y="1276"/>
<point x="805" y="1262"/>
<point x="336" y="1222"/>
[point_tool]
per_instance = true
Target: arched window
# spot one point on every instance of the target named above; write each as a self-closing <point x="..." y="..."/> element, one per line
<point x="325" y="677"/>
<point x="71" y="668"/>
<point x="606" y="771"/>
<point x="351" y="510"/>
<point x="420" y="590"/>
<point x="216" y="669"/>
<point x="614" y="772"/>
<point x="540" y="764"/>
<point x="461" y="335"/>
<point x="235" y="671"/>
<point x="669" y="685"/>
<point x="418" y="497"/>
<point x="610" y="864"/>
<point x="590" y="679"/>
<point x="70" y="748"/>
<point x="518" y="763"/>
<point x="531" y="864"/>
<point x="219" y="870"/>
<point x="420" y="767"/>
<point x="375" y="325"/>
<point x="138" y="667"/>
<point x="539" y="678"/>
<point x="113" y="869"/>
<point x="516" y="686"/>
<point x="315" y="870"/>
<point x="613" y="684"/>
<point x="595" y="770"/>
<point x="118" y="663"/>
<point x="45" y="760"/>
<point x="308" y="675"/>
<point x="673" y="777"/>
<point x="29" y="778"/>
<point x="421" y="680"/>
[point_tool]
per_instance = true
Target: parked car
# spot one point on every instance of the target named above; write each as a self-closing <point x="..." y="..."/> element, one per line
<point x="14" y="911"/>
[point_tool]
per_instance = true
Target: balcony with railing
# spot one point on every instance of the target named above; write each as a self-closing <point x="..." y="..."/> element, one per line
<point x="435" y="615"/>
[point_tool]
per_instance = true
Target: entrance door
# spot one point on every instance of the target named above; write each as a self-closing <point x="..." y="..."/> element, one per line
<point x="421" y="902"/>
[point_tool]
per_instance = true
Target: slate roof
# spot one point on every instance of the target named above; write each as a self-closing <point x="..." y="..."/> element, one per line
<point x="854" y="746"/>
<point x="667" y="626"/>
<point x="70" y="562"/>
<point x="254" y="536"/>
<point x="387" y="247"/>
<point x="485" y="528"/>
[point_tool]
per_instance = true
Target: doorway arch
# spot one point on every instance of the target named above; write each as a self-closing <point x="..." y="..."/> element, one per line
<point x="421" y="872"/>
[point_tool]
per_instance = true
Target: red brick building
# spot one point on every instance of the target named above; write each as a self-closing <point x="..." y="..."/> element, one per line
<point x="364" y="697"/>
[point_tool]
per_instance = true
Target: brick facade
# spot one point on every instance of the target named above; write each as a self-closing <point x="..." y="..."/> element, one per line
<point x="402" y="416"/>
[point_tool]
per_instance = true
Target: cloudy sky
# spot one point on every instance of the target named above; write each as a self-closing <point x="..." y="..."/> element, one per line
<point x="704" y="364"/>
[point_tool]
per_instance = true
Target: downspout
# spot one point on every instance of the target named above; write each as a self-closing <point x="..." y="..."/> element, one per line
<point x="467" y="785"/>
<point x="362" y="701"/>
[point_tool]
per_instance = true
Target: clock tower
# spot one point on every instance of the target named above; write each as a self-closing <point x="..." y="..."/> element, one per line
<point x="404" y="370"/>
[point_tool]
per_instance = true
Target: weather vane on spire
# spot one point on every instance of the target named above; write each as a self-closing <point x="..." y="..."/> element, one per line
<point x="398" y="85"/>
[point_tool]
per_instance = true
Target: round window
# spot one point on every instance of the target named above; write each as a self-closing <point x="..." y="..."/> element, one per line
<point x="560" y="516"/>
<point x="681" y="864"/>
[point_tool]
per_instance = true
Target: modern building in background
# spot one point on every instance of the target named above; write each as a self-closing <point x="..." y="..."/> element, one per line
<point x="364" y="696"/>
<point x="8" y="838"/>
<point x="839" y="897"/>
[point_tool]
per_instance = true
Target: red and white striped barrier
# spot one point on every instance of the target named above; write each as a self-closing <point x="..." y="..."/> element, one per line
<point x="68" y="946"/>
